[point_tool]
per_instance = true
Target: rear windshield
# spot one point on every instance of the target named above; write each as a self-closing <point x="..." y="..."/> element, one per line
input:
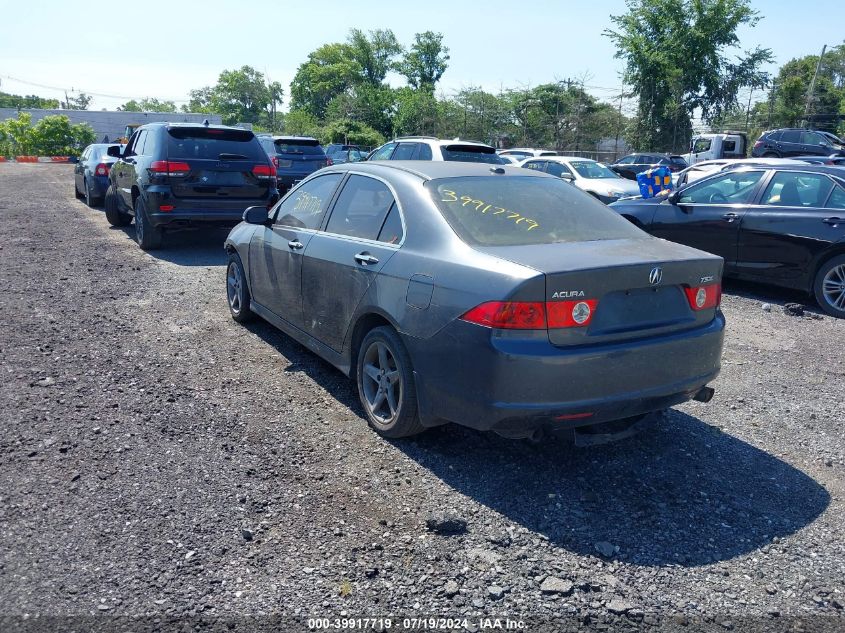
<point x="510" y="211"/>
<point x="214" y="144"/>
<point x="284" y="146"/>
<point x="472" y="154"/>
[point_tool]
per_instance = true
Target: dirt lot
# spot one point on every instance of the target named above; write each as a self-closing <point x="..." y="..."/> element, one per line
<point x="159" y="460"/>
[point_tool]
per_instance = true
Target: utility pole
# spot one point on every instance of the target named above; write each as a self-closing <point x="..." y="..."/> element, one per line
<point x="771" y="104"/>
<point x="813" y="85"/>
<point x="748" y="109"/>
<point x="618" y="123"/>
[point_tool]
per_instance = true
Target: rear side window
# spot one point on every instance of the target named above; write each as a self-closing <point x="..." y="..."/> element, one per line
<point x="677" y="160"/>
<point x="557" y="169"/>
<point x="790" y="136"/>
<point x="391" y="231"/>
<point x="796" y="189"/>
<point x="536" y="165"/>
<point x="510" y="211"/>
<point x="361" y="208"/>
<point x="836" y="199"/>
<point x="425" y="152"/>
<point x="305" y="207"/>
<point x="210" y="143"/>
<point x="290" y="146"/>
<point x="472" y="154"/>
<point x="405" y="151"/>
<point x="774" y="136"/>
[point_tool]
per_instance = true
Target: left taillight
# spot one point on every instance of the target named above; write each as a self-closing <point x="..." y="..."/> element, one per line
<point x="704" y="297"/>
<point x="532" y="315"/>
<point x="169" y="168"/>
<point x="102" y="170"/>
<point x="329" y="162"/>
<point x="264" y="171"/>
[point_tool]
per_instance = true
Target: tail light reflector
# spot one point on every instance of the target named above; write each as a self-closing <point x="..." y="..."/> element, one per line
<point x="102" y="170"/>
<point x="329" y="162"/>
<point x="275" y="162"/>
<point x="264" y="171"/>
<point x="704" y="297"/>
<point x="758" y="144"/>
<point x="166" y="207"/>
<point x="170" y="168"/>
<point x="532" y="315"/>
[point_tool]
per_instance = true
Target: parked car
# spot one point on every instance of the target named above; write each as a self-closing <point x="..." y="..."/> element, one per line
<point x="795" y="142"/>
<point x="175" y="175"/>
<point x="708" y="167"/>
<point x="494" y="297"/>
<point x="348" y="155"/>
<point x="590" y="176"/>
<point x="294" y="157"/>
<point x="521" y="153"/>
<point x="432" y="148"/>
<point x="632" y="164"/>
<point x="780" y="225"/>
<point x="511" y="160"/>
<point x="91" y="173"/>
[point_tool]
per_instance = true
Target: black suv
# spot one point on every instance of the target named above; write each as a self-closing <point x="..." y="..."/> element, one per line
<point x="632" y="164"/>
<point x="294" y="157"/>
<point x="173" y="175"/>
<point x="795" y="142"/>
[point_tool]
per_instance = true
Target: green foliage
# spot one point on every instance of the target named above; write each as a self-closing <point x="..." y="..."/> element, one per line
<point x="150" y="104"/>
<point x="375" y="54"/>
<point x="330" y="71"/>
<point x="349" y="131"/>
<point x="53" y="135"/>
<point x="30" y="101"/>
<point x="241" y="95"/>
<point x="302" y="123"/>
<point x="676" y="63"/>
<point x="426" y="61"/>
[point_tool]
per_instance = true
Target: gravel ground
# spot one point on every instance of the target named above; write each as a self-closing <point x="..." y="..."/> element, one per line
<point x="159" y="460"/>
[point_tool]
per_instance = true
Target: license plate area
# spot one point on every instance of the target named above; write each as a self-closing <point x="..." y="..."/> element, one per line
<point x="220" y="179"/>
<point x="284" y="162"/>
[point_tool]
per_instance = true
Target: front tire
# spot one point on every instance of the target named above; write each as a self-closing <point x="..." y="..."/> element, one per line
<point x="147" y="235"/>
<point x="237" y="292"/>
<point x="114" y="215"/>
<point x="385" y="380"/>
<point x="829" y="287"/>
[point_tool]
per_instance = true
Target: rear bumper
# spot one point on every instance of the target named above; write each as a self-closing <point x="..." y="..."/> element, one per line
<point x="467" y="375"/>
<point x="193" y="211"/>
<point x="99" y="185"/>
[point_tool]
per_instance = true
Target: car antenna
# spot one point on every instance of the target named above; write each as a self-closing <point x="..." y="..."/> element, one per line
<point x="205" y="123"/>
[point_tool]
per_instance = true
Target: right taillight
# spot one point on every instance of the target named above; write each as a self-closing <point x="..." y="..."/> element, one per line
<point x="102" y="170"/>
<point x="532" y="315"/>
<point x="276" y="162"/>
<point x="704" y="297"/>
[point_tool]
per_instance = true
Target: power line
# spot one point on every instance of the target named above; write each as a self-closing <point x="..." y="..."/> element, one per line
<point x="91" y="93"/>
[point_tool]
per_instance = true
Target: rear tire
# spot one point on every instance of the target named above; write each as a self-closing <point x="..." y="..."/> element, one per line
<point x="147" y="235"/>
<point x="237" y="292"/>
<point x="90" y="200"/>
<point x="829" y="287"/>
<point x="385" y="380"/>
<point x="76" y="193"/>
<point x="114" y="215"/>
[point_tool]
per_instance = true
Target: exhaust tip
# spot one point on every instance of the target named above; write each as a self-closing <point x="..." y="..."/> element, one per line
<point x="705" y="394"/>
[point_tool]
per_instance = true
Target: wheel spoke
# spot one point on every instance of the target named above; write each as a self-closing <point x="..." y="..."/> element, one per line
<point x="391" y="400"/>
<point x="377" y="401"/>
<point x="393" y="376"/>
<point x="371" y="371"/>
<point x="382" y="357"/>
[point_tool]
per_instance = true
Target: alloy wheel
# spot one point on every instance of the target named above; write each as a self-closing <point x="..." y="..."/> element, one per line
<point x="833" y="287"/>
<point x="381" y="383"/>
<point x="234" y="287"/>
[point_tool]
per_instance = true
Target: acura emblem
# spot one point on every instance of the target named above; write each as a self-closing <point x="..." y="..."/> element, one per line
<point x="655" y="276"/>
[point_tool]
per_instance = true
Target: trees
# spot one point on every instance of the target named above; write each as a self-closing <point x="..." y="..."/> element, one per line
<point x="241" y="95"/>
<point x="426" y="61"/>
<point x="329" y="72"/>
<point x="80" y="102"/>
<point x="149" y="104"/>
<point x="676" y="63"/>
<point x="30" y="101"/>
<point x="53" y="135"/>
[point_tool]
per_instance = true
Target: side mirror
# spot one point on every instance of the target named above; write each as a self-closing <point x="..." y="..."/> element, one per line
<point x="566" y="176"/>
<point x="114" y="151"/>
<point x="674" y="197"/>
<point x="256" y="215"/>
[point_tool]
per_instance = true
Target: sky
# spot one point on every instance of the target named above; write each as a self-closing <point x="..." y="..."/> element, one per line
<point x="165" y="49"/>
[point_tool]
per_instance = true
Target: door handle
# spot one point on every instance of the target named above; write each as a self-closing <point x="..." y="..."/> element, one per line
<point x="833" y="221"/>
<point x="730" y="217"/>
<point x="295" y="244"/>
<point x="366" y="259"/>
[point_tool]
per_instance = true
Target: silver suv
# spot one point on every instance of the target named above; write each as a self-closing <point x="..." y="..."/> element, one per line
<point x="432" y="148"/>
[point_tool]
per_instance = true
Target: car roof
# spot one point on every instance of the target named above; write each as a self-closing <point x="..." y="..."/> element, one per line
<point x="832" y="170"/>
<point x="432" y="169"/>
<point x="439" y="141"/>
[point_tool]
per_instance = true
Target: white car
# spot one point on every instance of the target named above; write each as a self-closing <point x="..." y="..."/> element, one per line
<point x="433" y="148"/>
<point x="591" y="176"/>
<point x="709" y="167"/>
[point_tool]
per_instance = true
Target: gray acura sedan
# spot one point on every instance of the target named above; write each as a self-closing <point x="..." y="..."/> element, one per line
<point x="494" y="297"/>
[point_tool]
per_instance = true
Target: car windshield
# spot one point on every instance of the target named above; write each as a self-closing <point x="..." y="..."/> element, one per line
<point x="472" y="154"/>
<point x="591" y="169"/>
<point x="210" y="143"/>
<point x="285" y="146"/>
<point x="510" y="211"/>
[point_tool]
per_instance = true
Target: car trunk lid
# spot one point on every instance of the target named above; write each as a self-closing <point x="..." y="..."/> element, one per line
<point x="635" y="287"/>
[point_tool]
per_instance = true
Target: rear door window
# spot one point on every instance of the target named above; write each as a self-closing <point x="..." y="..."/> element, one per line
<point x="790" y="136"/>
<point x="405" y="151"/>
<point x="361" y="208"/>
<point x="306" y="205"/>
<point x="425" y="152"/>
<point x="836" y="199"/>
<point x="497" y="211"/>
<point x="536" y="165"/>
<point x="392" y="232"/>
<point x="557" y="169"/>
<point x="213" y="144"/>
